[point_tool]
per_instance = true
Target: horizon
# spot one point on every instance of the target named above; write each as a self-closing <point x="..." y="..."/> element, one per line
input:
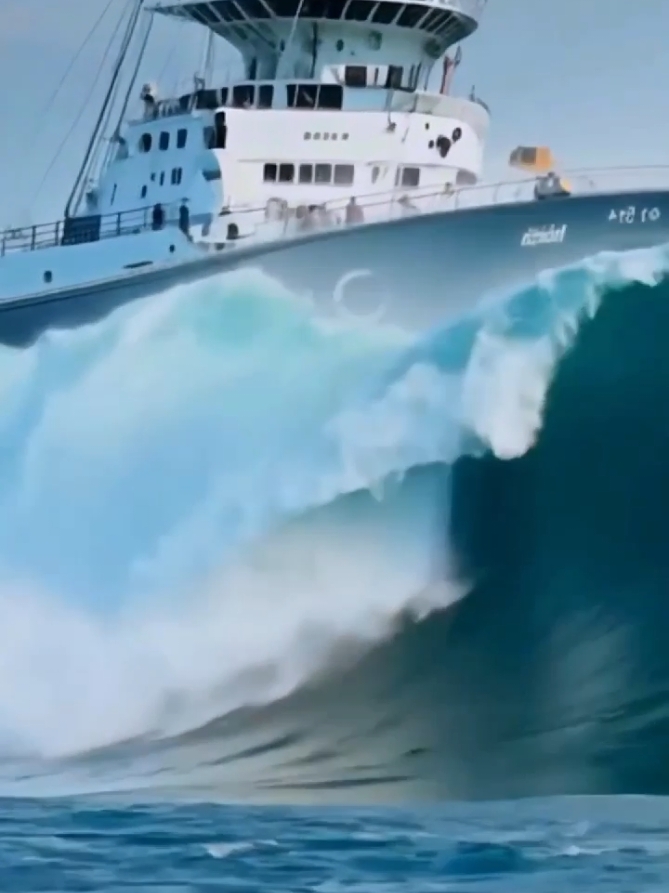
<point x="550" y="77"/>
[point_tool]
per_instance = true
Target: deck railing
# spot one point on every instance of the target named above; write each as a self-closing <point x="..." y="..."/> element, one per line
<point x="375" y="205"/>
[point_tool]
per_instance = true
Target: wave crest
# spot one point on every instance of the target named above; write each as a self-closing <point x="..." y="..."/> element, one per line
<point x="205" y="492"/>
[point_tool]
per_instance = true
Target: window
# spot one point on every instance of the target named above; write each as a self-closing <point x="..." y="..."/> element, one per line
<point x="224" y="95"/>
<point x="410" y="176"/>
<point x="221" y="131"/>
<point x="210" y="175"/>
<point x="355" y="75"/>
<point x="162" y="178"/>
<point x="270" y="173"/>
<point x="206" y="99"/>
<point x="265" y="96"/>
<point x="359" y="10"/>
<point x="343" y="174"/>
<point x="143" y="192"/>
<point x="164" y="141"/>
<point x="323" y="173"/>
<point x="394" y="79"/>
<point x="177" y="174"/>
<point x="182" y="138"/>
<point x="302" y="96"/>
<point x="306" y="173"/>
<point x="344" y="136"/>
<point x="286" y="173"/>
<point x="208" y="137"/>
<point x="243" y="96"/>
<point x="307" y="136"/>
<point x="113" y="195"/>
<point x="145" y="142"/>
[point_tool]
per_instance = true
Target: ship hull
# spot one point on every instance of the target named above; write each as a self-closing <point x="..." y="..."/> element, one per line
<point x="415" y="272"/>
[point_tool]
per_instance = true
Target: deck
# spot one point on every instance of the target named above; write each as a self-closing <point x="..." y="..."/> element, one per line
<point x="375" y="207"/>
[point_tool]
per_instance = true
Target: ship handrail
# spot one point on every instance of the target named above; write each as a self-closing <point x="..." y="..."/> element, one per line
<point x="45" y="235"/>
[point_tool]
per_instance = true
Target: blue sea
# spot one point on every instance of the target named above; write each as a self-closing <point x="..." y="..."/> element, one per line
<point x="315" y="605"/>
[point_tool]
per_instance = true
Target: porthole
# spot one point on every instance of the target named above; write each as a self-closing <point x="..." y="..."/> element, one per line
<point x="307" y="136"/>
<point x="48" y="276"/>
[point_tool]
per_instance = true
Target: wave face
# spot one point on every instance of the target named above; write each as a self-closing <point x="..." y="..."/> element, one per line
<point x="249" y="552"/>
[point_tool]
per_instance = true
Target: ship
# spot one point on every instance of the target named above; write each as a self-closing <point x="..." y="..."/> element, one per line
<point x="340" y="163"/>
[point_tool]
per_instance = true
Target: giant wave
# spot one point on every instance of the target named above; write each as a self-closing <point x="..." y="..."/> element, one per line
<point x="247" y="550"/>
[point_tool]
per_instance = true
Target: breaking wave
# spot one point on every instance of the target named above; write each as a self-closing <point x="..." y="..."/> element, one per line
<point x="247" y="549"/>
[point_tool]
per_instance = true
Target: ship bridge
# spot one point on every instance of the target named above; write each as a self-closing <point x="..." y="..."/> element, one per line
<point x="297" y="36"/>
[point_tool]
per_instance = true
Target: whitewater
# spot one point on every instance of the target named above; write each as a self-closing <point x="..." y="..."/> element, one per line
<point x="208" y="493"/>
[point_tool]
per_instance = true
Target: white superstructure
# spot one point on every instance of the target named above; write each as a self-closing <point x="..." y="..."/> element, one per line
<point x="336" y="103"/>
<point x="344" y="115"/>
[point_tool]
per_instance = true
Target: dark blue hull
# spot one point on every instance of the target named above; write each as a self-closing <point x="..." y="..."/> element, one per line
<point x="415" y="272"/>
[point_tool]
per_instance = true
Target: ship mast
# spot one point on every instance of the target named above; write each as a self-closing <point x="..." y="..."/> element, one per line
<point x="106" y="109"/>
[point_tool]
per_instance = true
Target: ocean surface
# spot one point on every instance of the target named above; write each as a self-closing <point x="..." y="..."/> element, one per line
<point x="293" y="604"/>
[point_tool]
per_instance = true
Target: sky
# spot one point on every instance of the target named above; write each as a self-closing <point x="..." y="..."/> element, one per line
<point x="586" y="77"/>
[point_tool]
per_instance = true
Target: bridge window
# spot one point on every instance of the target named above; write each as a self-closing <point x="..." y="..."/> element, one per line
<point x="207" y="99"/>
<point x="265" y="96"/>
<point x="302" y="96"/>
<point x="164" y="141"/>
<point x="145" y="142"/>
<point x="306" y="173"/>
<point x="343" y="174"/>
<point x="323" y="173"/>
<point x="411" y="15"/>
<point x="286" y="173"/>
<point x="224" y="95"/>
<point x="270" y="173"/>
<point x="355" y="75"/>
<point x="385" y="13"/>
<point x="330" y="96"/>
<point x="359" y="10"/>
<point x="410" y="176"/>
<point x="182" y="138"/>
<point x="243" y="96"/>
<point x="209" y="137"/>
<point x="177" y="174"/>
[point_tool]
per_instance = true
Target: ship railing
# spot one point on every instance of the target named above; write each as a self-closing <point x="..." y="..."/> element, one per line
<point x="579" y="182"/>
<point x="88" y="229"/>
<point x="375" y="205"/>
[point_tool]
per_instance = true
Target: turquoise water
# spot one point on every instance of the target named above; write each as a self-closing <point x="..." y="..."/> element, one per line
<point x="332" y="569"/>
